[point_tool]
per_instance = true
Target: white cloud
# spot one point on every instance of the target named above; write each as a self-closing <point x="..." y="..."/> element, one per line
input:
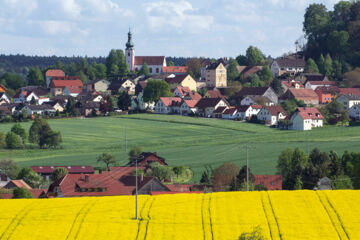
<point x="70" y="7"/>
<point x="17" y="8"/>
<point x="177" y="16"/>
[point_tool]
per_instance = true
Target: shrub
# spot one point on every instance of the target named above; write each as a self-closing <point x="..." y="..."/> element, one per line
<point x="19" y="130"/>
<point x="22" y="193"/>
<point x="13" y="141"/>
<point x="2" y="140"/>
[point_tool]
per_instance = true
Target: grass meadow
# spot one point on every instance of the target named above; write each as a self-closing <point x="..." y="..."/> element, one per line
<point x="194" y="142"/>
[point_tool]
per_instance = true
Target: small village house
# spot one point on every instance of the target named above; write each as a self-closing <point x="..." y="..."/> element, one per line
<point x="307" y="95"/>
<point x="216" y="75"/>
<point x="326" y="94"/>
<point x="40" y="110"/>
<point x="256" y="93"/>
<point x="218" y="112"/>
<point x="4" y="179"/>
<point x="306" y="118"/>
<point x="206" y="106"/>
<point x="164" y="105"/>
<point x="315" y="84"/>
<point x="354" y="112"/>
<point x="125" y="85"/>
<point x="46" y="171"/>
<point x="145" y="159"/>
<point x="271" y="115"/>
<point x="347" y="101"/>
<point x="99" y="85"/>
<point x="186" y="93"/>
<point x="57" y="85"/>
<point x="290" y="65"/>
<point x="271" y="182"/>
<point x="184" y="80"/>
<point x="51" y="73"/>
<point x="247" y="111"/>
<point x="188" y="107"/>
<point x="230" y="113"/>
<point x="291" y="83"/>
<point x="138" y="103"/>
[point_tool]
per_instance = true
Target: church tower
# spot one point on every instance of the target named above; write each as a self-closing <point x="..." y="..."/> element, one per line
<point x="130" y="52"/>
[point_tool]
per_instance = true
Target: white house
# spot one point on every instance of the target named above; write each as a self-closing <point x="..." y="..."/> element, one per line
<point x="306" y="119"/>
<point x="165" y="104"/>
<point x="254" y="99"/>
<point x="25" y="97"/>
<point x="271" y="114"/>
<point x="4" y="98"/>
<point x="230" y="113"/>
<point x="245" y="112"/>
<point x="347" y="101"/>
<point x="290" y="65"/>
<point x="137" y="103"/>
<point x="39" y="109"/>
<point x="206" y="106"/>
<point x="315" y="84"/>
<point x="354" y="112"/>
<point x="188" y="107"/>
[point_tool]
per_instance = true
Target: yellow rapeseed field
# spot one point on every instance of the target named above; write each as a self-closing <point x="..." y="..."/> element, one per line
<point x="280" y="214"/>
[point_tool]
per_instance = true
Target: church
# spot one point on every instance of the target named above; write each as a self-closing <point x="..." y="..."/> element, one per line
<point x="155" y="63"/>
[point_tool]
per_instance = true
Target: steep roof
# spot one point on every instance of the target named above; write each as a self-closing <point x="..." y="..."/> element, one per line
<point x="55" y="73"/>
<point x="177" y="79"/>
<point x="220" y="110"/>
<point x="208" y="102"/>
<point x="315" y="77"/>
<point x="149" y="60"/>
<point x="40" y="107"/>
<point x="352" y="97"/>
<point x="191" y="103"/>
<point x="353" y="91"/>
<point x="65" y="83"/>
<point x="70" y="169"/>
<point x="215" y="65"/>
<point x="243" y="108"/>
<point x="175" y="69"/>
<point x="231" y="111"/>
<point x="214" y="93"/>
<point x="303" y="93"/>
<point x="74" y="89"/>
<point x="292" y="83"/>
<point x="309" y="113"/>
<point x="245" y="91"/>
<point x="275" y="110"/>
<point x="168" y="101"/>
<point x="67" y="78"/>
<point x="290" y="62"/>
<point x="115" y="85"/>
<point x="18" y="183"/>
<point x="272" y="182"/>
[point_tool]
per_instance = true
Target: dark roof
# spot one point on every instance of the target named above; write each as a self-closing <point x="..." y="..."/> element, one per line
<point x="275" y="110"/>
<point x="245" y="91"/>
<point x="243" y="108"/>
<point x="148" y="156"/>
<point x="220" y="110"/>
<point x="115" y="85"/>
<point x="40" y="107"/>
<point x="149" y="60"/>
<point x="177" y="79"/>
<point x="209" y="102"/>
<point x="315" y="77"/>
<point x="215" y="65"/>
<point x="352" y="97"/>
<point x="290" y="62"/>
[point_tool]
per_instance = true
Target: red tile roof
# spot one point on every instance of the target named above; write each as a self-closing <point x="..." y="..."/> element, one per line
<point x="272" y="182"/>
<point x="169" y="101"/>
<point x="304" y="94"/>
<point x="290" y="84"/>
<point x="275" y="110"/>
<point x="67" y="78"/>
<point x="214" y="94"/>
<point x="347" y="91"/>
<point x="71" y="169"/>
<point x="175" y="69"/>
<point x="74" y="89"/>
<point x="20" y="183"/>
<point x="55" y="73"/>
<point x="255" y="106"/>
<point x="149" y="60"/>
<point x="309" y="113"/>
<point x="191" y="103"/>
<point x="65" y="83"/>
<point x="330" y="89"/>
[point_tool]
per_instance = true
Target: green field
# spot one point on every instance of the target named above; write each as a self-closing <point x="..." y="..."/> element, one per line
<point x="193" y="142"/>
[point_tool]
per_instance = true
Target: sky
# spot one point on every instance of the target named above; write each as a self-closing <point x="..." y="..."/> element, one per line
<point x="189" y="28"/>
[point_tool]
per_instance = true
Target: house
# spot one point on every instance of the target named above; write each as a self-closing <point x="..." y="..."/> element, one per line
<point x="307" y="95"/>
<point x="206" y="106"/>
<point x="46" y="171"/>
<point x="17" y="184"/>
<point x="214" y="93"/>
<point x="4" y="98"/>
<point x="87" y="108"/>
<point x="271" y="182"/>
<point x="40" y="110"/>
<point x="57" y="105"/>
<point x="290" y="65"/>
<point x="326" y="94"/>
<point x="135" y="63"/>
<point x="186" y="93"/>
<point x="72" y="91"/>
<point x="183" y="80"/>
<point x="57" y="86"/>
<point x="124" y="85"/>
<point x="315" y="84"/>
<point x="137" y="103"/>
<point x="117" y="181"/>
<point x="354" y="112"/>
<point x="100" y="85"/>
<point x="216" y="75"/>
<point x="26" y="94"/>
<point x="188" y="107"/>
<point x="247" y="111"/>
<point x="349" y="91"/>
<point x="51" y="73"/>
<point x="256" y="99"/>
<point x="145" y="159"/>
<point x="267" y="92"/>
<point x="291" y="83"/>
<point x="175" y="69"/>
<point x="271" y="115"/>
<point x="347" y="101"/>
<point x="230" y="113"/>
<point x="4" y="179"/>
<point x="165" y="104"/>
<point x="306" y="118"/>
<point x="217" y="113"/>
<point x="8" y="108"/>
<point x="304" y="77"/>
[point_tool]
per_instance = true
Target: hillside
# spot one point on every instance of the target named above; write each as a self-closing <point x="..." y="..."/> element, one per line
<point x="281" y="215"/>
<point x="193" y="142"/>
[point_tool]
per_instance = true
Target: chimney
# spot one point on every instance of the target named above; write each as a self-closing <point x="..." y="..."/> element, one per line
<point x="141" y="177"/>
<point x="86" y="178"/>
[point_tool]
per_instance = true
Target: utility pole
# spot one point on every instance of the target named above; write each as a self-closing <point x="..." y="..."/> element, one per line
<point x="247" y="147"/>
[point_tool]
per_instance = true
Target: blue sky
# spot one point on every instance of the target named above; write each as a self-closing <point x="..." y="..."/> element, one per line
<point x="211" y="28"/>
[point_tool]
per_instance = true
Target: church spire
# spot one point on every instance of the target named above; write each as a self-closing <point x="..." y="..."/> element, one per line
<point x="129" y="44"/>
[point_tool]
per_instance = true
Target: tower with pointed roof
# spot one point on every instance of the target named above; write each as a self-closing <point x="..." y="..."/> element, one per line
<point x="130" y="52"/>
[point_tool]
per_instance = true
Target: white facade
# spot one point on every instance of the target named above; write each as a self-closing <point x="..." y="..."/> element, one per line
<point x="128" y="86"/>
<point x="230" y="116"/>
<point x="139" y="103"/>
<point x="130" y="58"/>
<point x="247" y="101"/>
<point x="186" y="110"/>
<point x="41" y="112"/>
<point x="161" y="108"/>
<point x="42" y="100"/>
<point x="314" y="86"/>
<point x="278" y="71"/>
<point x="265" y="115"/>
<point x="347" y="101"/>
<point x="298" y="123"/>
<point x="5" y="98"/>
<point x="23" y="99"/>
<point x="250" y="111"/>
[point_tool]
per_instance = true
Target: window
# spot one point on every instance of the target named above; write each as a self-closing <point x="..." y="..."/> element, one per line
<point x="157" y="70"/>
<point x="128" y="54"/>
<point x="150" y="70"/>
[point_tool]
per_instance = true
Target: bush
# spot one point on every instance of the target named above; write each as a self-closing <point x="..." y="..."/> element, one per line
<point x="22" y="193"/>
<point x="19" y="130"/>
<point x="13" y="141"/>
<point x="2" y="140"/>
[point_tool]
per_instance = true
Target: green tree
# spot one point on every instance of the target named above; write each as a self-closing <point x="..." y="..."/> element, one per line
<point x="53" y="139"/>
<point x="70" y="106"/>
<point x="223" y="175"/>
<point x="107" y="159"/>
<point x="316" y="21"/>
<point x="277" y="86"/>
<point x="338" y="42"/>
<point x="124" y="101"/>
<point x="41" y="134"/>
<point x="194" y="67"/>
<point x="255" y="81"/>
<point x="328" y="66"/>
<point x="112" y="61"/>
<point x="311" y="66"/>
<point x="202" y="91"/>
<point x="171" y="63"/>
<point x="239" y="182"/>
<point x="266" y="75"/>
<point x="156" y="89"/>
<point x="2" y="140"/>
<point x="232" y="72"/>
<point x="321" y="64"/>
<point x="341" y="182"/>
<point x="22" y="193"/>
<point x="135" y="152"/>
<point x="123" y="68"/>
<point x="82" y="76"/>
<point x="145" y="70"/>
<point x="13" y="141"/>
<point x="35" y="77"/>
<point x="30" y="177"/>
<point x="205" y="178"/>
<point x="100" y="72"/>
<point x="58" y="173"/>
<point x="179" y="170"/>
<point x="254" y="56"/>
<point x="242" y="60"/>
<point x="19" y="130"/>
<point x="33" y="101"/>
<point x="13" y="81"/>
<point x="9" y="167"/>
<point x="161" y="172"/>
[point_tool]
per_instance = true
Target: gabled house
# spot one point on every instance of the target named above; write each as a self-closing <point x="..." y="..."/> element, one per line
<point x="307" y="95"/>
<point x="186" y="93"/>
<point x="230" y="113"/>
<point x="99" y="85"/>
<point x="4" y="179"/>
<point x="271" y="115"/>
<point x="46" y="171"/>
<point x="8" y="108"/>
<point x="306" y="118"/>
<point x="72" y="91"/>
<point x="23" y="96"/>
<point x="327" y="94"/>
<point x="124" y="85"/>
<point x="256" y="99"/>
<point x="57" y="105"/>
<point x="206" y="106"/>
<point x="40" y="110"/>
<point x="17" y="184"/>
<point x="290" y="65"/>
<point x="349" y="91"/>
<point x="247" y="111"/>
<point x="291" y="83"/>
<point x="216" y="75"/>
<point x="271" y="182"/>
<point x="57" y="86"/>
<point x="347" y="101"/>
<point x="51" y="73"/>
<point x="218" y="112"/>
<point x="145" y="159"/>
<point x="87" y="108"/>
<point x="2" y="89"/>
<point x="4" y="98"/>
<point x="315" y="84"/>
<point x="183" y="80"/>
<point x="165" y="104"/>
<point x="267" y="92"/>
<point x="188" y="107"/>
